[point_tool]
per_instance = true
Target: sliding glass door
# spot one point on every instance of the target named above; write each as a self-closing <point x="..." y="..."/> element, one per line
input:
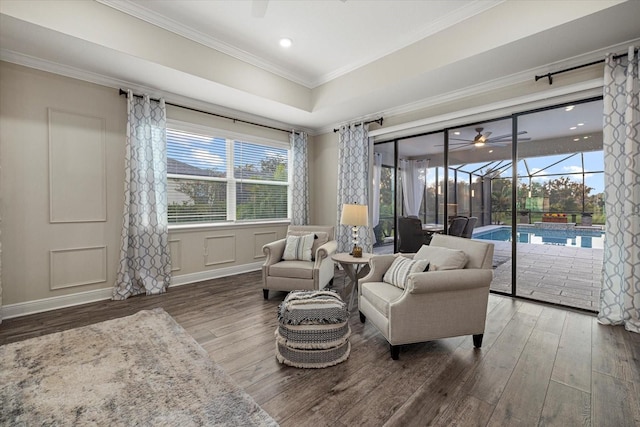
<point x="534" y="181"/>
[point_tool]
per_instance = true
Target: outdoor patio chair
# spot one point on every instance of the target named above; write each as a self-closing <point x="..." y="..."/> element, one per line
<point x="457" y="226"/>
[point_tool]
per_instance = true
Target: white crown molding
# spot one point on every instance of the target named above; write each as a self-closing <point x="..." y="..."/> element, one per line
<point x="446" y="21"/>
<point x="100" y="79"/>
<point x="54" y="303"/>
<point x="138" y="11"/>
<point x="500" y="83"/>
<point x="494" y="110"/>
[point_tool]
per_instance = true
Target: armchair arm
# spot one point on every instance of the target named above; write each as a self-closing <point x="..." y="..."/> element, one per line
<point x="449" y="280"/>
<point x="325" y="251"/>
<point x="378" y="264"/>
<point x="274" y="251"/>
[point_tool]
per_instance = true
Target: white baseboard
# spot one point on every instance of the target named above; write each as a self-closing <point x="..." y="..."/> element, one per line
<point x="47" y="304"/>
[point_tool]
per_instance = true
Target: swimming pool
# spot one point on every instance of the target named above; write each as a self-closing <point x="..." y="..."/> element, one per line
<point x="577" y="237"/>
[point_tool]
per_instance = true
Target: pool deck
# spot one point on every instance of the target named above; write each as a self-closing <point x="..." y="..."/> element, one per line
<point x="564" y="275"/>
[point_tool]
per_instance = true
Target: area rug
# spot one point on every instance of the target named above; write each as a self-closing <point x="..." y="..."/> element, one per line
<point x="137" y="370"/>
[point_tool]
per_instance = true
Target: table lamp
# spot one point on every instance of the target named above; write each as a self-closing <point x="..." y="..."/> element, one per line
<point x="355" y="216"/>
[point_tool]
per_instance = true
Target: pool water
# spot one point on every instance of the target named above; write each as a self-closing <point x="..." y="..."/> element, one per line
<point x="579" y="237"/>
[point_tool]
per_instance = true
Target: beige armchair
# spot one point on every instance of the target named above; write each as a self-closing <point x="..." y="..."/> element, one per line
<point x="281" y="275"/>
<point x="433" y="304"/>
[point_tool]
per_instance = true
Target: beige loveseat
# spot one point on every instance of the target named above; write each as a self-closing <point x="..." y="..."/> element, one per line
<point x="439" y="303"/>
<point x="281" y="275"/>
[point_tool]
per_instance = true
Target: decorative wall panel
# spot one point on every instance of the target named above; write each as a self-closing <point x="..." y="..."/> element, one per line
<point x="175" y="248"/>
<point x="77" y="267"/>
<point x="219" y="249"/>
<point x="260" y="239"/>
<point x="77" y="168"/>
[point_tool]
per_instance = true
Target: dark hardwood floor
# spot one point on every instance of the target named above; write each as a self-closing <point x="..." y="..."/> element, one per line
<point x="538" y="365"/>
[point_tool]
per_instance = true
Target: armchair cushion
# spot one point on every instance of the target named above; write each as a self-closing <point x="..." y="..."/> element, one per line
<point x="298" y="247"/>
<point x="401" y="268"/>
<point x="440" y="258"/>
<point x="380" y="295"/>
<point x="292" y="269"/>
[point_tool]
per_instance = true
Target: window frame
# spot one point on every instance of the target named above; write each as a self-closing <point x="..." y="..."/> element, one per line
<point x="231" y="181"/>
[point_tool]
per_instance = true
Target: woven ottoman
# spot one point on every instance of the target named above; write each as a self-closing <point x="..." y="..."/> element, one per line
<point x="313" y="330"/>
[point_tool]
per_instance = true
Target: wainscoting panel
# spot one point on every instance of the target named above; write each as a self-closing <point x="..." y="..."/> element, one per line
<point x="219" y="249"/>
<point x="77" y="267"/>
<point x="260" y="239"/>
<point x="175" y="249"/>
<point x="77" y="168"/>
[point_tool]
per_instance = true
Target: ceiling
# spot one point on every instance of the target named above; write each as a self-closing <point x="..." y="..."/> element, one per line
<point x="350" y="59"/>
<point x="330" y="37"/>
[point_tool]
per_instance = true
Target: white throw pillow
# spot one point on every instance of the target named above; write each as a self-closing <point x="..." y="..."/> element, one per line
<point x="298" y="247"/>
<point x="321" y="237"/>
<point x="398" y="273"/>
<point x="442" y="258"/>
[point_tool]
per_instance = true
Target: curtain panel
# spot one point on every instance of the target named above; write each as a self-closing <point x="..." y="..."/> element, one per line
<point x="145" y="264"/>
<point x="414" y="175"/>
<point x="299" y="179"/>
<point x="620" y="294"/>
<point x="354" y="147"/>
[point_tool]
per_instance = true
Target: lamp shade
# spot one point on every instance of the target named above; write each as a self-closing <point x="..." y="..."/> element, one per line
<point x="354" y="215"/>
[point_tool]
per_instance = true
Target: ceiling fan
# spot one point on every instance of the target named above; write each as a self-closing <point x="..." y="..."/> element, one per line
<point x="259" y="8"/>
<point x="483" y="138"/>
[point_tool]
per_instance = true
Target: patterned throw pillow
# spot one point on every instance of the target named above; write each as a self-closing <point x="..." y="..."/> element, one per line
<point x="321" y="237"/>
<point x="298" y="247"/>
<point x="401" y="268"/>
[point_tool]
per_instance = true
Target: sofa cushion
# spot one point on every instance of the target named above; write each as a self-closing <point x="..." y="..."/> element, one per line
<point x="292" y="269"/>
<point x="321" y="237"/>
<point x="402" y="267"/>
<point x="298" y="247"/>
<point x="380" y="295"/>
<point x="440" y="258"/>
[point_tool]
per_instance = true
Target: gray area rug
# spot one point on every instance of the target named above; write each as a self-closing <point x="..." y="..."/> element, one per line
<point x="138" y="370"/>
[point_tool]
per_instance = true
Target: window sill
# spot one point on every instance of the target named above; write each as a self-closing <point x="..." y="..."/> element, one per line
<point x="226" y="225"/>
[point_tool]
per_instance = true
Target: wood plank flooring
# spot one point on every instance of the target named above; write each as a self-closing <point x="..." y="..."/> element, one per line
<point x="539" y="365"/>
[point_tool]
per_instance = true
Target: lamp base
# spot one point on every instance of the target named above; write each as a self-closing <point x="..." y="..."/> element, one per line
<point x="356" y="252"/>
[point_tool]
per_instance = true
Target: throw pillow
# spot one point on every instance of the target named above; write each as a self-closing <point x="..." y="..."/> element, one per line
<point x="298" y="247"/>
<point x="401" y="268"/>
<point x="321" y="238"/>
<point x="442" y="258"/>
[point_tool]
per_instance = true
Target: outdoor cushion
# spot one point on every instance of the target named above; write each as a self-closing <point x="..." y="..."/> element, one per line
<point x="401" y="268"/>
<point x="298" y="247"/>
<point x="442" y="258"/>
<point x="293" y="269"/>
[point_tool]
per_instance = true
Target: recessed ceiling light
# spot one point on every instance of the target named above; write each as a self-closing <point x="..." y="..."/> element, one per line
<point x="569" y="108"/>
<point x="586" y="137"/>
<point x="576" y="139"/>
<point x="456" y="133"/>
<point x="286" y="42"/>
<point x="491" y="151"/>
<point x="580" y="124"/>
<point x="573" y="128"/>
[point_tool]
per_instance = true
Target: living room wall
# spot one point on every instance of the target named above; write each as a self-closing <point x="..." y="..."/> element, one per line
<point x="61" y="234"/>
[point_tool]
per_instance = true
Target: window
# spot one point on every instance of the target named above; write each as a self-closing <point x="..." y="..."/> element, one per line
<point x="214" y="179"/>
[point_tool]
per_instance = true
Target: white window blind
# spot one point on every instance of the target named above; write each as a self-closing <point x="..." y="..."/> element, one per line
<point x="215" y="179"/>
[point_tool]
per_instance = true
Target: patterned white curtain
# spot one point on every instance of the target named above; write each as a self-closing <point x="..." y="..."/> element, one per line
<point x="145" y="264"/>
<point x="620" y="294"/>
<point x="375" y="199"/>
<point x="353" y="181"/>
<point x="413" y="182"/>
<point x="299" y="179"/>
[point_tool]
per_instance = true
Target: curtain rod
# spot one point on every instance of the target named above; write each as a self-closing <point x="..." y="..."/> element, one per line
<point x="548" y="75"/>
<point x="125" y="93"/>
<point x="378" y="121"/>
